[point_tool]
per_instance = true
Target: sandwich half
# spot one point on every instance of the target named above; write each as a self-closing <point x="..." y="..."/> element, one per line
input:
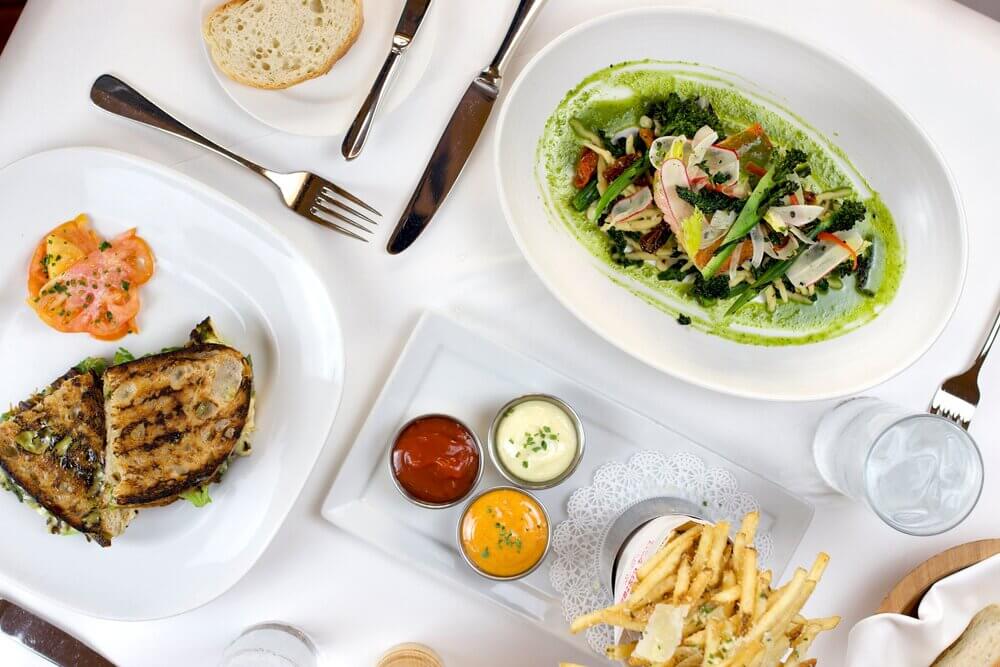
<point x="52" y="457"/>
<point x="174" y="421"/>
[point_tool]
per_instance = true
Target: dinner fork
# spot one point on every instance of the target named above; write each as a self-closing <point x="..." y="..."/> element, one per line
<point x="305" y="193"/>
<point x="958" y="396"/>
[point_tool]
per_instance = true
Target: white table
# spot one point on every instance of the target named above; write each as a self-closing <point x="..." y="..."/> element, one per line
<point x="936" y="57"/>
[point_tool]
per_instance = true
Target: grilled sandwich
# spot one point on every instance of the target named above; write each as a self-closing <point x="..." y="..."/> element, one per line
<point x="174" y="420"/>
<point x="52" y="457"/>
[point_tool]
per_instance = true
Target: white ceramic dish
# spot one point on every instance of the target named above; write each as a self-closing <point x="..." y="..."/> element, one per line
<point x="446" y="368"/>
<point x="894" y="640"/>
<point x="881" y="140"/>
<point x="326" y="105"/>
<point x="213" y="258"/>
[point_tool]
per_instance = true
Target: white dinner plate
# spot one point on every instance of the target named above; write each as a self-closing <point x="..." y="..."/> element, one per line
<point x="214" y="258"/>
<point x="326" y="105"/>
<point x="881" y="140"/>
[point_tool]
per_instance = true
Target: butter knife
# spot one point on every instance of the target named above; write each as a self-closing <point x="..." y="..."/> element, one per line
<point x="460" y="135"/>
<point x="409" y="21"/>
<point x="46" y="639"/>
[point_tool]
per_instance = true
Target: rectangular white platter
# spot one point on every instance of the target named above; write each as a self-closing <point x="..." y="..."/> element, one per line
<point x="445" y="368"/>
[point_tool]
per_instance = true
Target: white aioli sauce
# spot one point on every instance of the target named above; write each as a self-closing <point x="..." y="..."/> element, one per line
<point x="536" y="441"/>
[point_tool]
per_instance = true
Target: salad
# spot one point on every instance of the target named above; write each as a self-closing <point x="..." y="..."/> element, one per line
<point x="719" y="201"/>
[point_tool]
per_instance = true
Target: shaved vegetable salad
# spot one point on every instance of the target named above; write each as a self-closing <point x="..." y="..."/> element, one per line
<point x="724" y="208"/>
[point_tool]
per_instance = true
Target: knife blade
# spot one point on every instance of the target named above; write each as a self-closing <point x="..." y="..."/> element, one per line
<point x="46" y="639"/>
<point x="409" y="20"/>
<point x="406" y="29"/>
<point x="459" y="137"/>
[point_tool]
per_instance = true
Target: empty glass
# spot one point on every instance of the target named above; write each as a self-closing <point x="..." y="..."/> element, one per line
<point x="271" y="645"/>
<point x="922" y="474"/>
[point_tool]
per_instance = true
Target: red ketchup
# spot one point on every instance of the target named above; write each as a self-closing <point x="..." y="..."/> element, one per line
<point x="436" y="460"/>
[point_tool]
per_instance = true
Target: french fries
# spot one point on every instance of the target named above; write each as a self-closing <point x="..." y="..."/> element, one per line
<point x="734" y="618"/>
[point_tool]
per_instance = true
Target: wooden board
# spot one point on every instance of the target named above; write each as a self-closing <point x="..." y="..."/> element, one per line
<point x="905" y="597"/>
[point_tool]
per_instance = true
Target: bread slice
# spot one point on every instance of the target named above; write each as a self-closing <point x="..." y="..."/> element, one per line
<point x="174" y="420"/>
<point x="52" y="457"/>
<point x="979" y="645"/>
<point x="279" y="43"/>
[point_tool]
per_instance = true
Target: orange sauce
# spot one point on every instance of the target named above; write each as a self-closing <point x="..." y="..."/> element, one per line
<point x="504" y="532"/>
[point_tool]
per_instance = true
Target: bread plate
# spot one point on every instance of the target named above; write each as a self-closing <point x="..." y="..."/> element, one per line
<point x="213" y="258"/>
<point x="326" y="105"/>
<point x="822" y="97"/>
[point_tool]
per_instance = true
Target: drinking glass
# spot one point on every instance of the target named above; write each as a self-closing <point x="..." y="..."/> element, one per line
<point x="920" y="473"/>
<point x="271" y="645"/>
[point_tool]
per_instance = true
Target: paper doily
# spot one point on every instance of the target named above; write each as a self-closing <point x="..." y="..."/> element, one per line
<point x="575" y="572"/>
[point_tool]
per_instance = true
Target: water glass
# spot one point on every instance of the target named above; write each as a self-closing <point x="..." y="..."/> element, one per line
<point x="920" y="473"/>
<point x="271" y="645"/>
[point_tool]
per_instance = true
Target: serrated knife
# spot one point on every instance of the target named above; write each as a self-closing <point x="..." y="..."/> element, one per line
<point x="46" y="639"/>
<point x="460" y="136"/>
<point x="406" y="30"/>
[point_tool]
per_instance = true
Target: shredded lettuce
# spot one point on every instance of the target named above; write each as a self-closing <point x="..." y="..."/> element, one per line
<point x="92" y="365"/>
<point x="198" y="497"/>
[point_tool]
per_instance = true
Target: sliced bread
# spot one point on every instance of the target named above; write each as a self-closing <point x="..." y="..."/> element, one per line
<point x="279" y="43"/>
<point x="979" y="645"/>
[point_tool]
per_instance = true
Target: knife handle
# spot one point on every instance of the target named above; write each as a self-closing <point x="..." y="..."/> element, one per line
<point x="357" y="135"/>
<point x="526" y="12"/>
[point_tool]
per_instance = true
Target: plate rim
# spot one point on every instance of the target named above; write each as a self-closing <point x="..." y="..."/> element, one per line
<point x="384" y="109"/>
<point x="855" y="387"/>
<point x="190" y="183"/>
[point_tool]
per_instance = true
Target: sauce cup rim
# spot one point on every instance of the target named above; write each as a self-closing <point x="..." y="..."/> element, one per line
<point x="424" y="503"/>
<point x="510" y="476"/>
<point x="548" y="534"/>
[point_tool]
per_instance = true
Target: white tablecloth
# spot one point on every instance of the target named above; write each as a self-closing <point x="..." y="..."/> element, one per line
<point x="938" y="58"/>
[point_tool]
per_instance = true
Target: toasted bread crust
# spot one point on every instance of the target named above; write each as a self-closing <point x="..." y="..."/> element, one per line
<point x="172" y="420"/>
<point x="320" y="71"/>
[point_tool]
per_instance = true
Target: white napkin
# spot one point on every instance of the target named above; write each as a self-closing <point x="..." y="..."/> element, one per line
<point x="893" y="640"/>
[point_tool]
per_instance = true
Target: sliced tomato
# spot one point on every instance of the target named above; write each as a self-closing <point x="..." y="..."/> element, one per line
<point x="99" y="293"/>
<point x="585" y="168"/>
<point x="75" y="235"/>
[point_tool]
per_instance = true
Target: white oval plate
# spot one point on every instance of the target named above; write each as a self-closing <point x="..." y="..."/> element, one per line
<point x="879" y="137"/>
<point x="215" y="258"/>
<point x="326" y="105"/>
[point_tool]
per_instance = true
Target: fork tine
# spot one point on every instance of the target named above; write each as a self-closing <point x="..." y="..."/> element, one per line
<point x="329" y="204"/>
<point x="334" y="189"/>
<point x="312" y="215"/>
<point x="341" y="217"/>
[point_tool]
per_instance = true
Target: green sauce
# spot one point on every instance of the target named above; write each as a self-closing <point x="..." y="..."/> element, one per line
<point x="615" y="98"/>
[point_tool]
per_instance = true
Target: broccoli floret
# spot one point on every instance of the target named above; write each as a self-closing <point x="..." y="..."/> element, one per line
<point x="710" y="201"/>
<point x="682" y="116"/>
<point x="849" y="214"/>
<point x="716" y="287"/>
<point x="672" y="273"/>
<point x="788" y="162"/>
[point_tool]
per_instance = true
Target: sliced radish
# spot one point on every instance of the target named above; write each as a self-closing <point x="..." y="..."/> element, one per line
<point x="702" y="140"/>
<point x="786" y="251"/>
<point x="759" y="245"/>
<point x="723" y="161"/>
<point x="629" y="207"/>
<point x="822" y="258"/>
<point x="666" y="180"/>
<point x="717" y="227"/>
<point x="801" y="235"/>
<point x="792" y="216"/>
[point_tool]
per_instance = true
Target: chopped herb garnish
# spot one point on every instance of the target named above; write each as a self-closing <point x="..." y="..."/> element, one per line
<point x="104" y="245"/>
